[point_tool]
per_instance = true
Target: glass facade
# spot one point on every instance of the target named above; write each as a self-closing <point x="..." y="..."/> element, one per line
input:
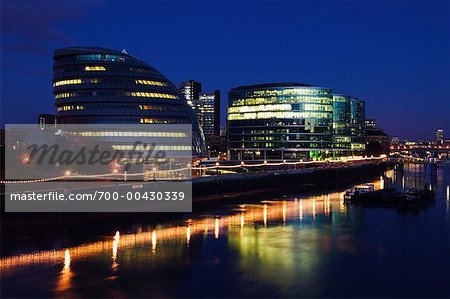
<point x="293" y="121"/>
<point x="102" y="86"/>
<point x="357" y="125"/>
<point x="341" y="125"/>
<point x="280" y="121"/>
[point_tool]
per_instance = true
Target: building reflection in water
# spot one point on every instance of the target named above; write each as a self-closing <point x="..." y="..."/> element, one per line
<point x="154" y="241"/>
<point x="115" y="245"/>
<point x="448" y="192"/>
<point x="274" y="211"/>
<point x="216" y="228"/>
<point x="265" y="215"/>
<point x="268" y="213"/>
<point x="188" y="234"/>
<point x="64" y="280"/>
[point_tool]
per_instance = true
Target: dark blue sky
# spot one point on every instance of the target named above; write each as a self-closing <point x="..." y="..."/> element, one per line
<point x="393" y="54"/>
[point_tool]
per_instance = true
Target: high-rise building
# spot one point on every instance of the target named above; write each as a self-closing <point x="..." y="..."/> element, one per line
<point x="292" y="121"/>
<point x="210" y="120"/>
<point x="280" y="121"/>
<point x="207" y="114"/>
<point x="102" y="86"/>
<point x="207" y="108"/>
<point x="440" y="136"/>
<point x="191" y="91"/>
<point x="357" y="125"/>
<point x="341" y="125"/>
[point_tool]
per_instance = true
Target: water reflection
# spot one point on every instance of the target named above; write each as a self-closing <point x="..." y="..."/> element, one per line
<point x="115" y="245"/>
<point x="216" y="228"/>
<point x="273" y="211"/>
<point x="64" y="281"/>
<point x="188" y="234"/>
<point x="289" y="244"/>
<point x="154" y="241"/>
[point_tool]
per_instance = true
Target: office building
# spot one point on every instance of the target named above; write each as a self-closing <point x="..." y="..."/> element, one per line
<point x="440" y="136"/>
<point x="357" y="126"/>
<point x="371" y="123"/>
<point x="207" y="108"/>
<point x="102" y="86"/>
<point x="341" y="125"/>
<point x="191" y="91"/>
<point x="280" y="121"/>
<point x="210" y="113"/>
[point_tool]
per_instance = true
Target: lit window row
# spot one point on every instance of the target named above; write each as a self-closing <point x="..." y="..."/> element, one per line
<point x="67" y="82"/>
<point x="290" y="91"/>
<point x="149" y="147"/>
<point x="150" y="82"/>
<point x="98" y="57"/>
<point x="282" y="100"/>
<point x="75" y="81"/>
<point x="70" y="107"/>
<point x="130" y="134"/>
<point x="151" y="95"/>
<point x="158" y="108"/>
<point x="154" y="121"/>
<point x="260" y="108"/>
<point x="266" y="115"/>
<point x="95" y="68"/>
<point x="317" y="107"/>
<point x="65" y="95"/>
<point x="358" y="146"/>
<point x="342" y="139"/>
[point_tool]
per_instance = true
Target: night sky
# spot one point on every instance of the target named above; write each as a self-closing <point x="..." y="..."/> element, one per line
<point x="393" y="54"/>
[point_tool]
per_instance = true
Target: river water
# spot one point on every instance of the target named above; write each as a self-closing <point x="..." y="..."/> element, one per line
<point x="288" y="246"/>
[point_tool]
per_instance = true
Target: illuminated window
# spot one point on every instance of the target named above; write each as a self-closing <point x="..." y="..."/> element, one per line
<point x="146" y="120"/>
<point x="157" y="148"/>
<point x="150" y="82"/>
<point x="65" y="95"/>
<point x="151" y="95"/>
<point x="95" y="68"/>
<point x="67" y="82"/>
<point x="70" y="107"/>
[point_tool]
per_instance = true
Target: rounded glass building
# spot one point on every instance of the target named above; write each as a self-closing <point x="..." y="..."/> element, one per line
<point x="280" y="121"/>
<point x="102" y="86"/>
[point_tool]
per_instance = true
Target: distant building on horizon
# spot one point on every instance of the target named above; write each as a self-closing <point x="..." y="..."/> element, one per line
<point x="47" y="120"/>
<point x="371" y="123"/>
<point x="377" y="140"/>
<point x="191" y="91"/>
<point x="293" y="121"/>
<point x="440" y="136"/>
<point x="207" y="108"/>
<point x="210" y="113"/>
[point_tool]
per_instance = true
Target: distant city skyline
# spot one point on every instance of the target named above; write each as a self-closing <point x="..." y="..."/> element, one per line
<point x="394" y="56"/>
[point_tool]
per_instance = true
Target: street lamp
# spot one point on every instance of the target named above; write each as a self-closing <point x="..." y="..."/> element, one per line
<point x="154" y="173"/>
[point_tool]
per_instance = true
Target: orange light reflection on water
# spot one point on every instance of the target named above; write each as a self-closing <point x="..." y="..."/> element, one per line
<point x="274" y="211"/>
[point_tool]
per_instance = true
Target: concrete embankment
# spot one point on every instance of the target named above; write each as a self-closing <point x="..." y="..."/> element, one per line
<point x="245" y="184"/>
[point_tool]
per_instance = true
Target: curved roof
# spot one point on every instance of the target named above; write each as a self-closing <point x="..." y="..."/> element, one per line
<point x="86" y="50"/>
<point x="271" y="85"/>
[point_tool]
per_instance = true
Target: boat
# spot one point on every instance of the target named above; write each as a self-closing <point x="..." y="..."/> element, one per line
<point x="356" y="191"/>
<point x="390" y="197"/>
